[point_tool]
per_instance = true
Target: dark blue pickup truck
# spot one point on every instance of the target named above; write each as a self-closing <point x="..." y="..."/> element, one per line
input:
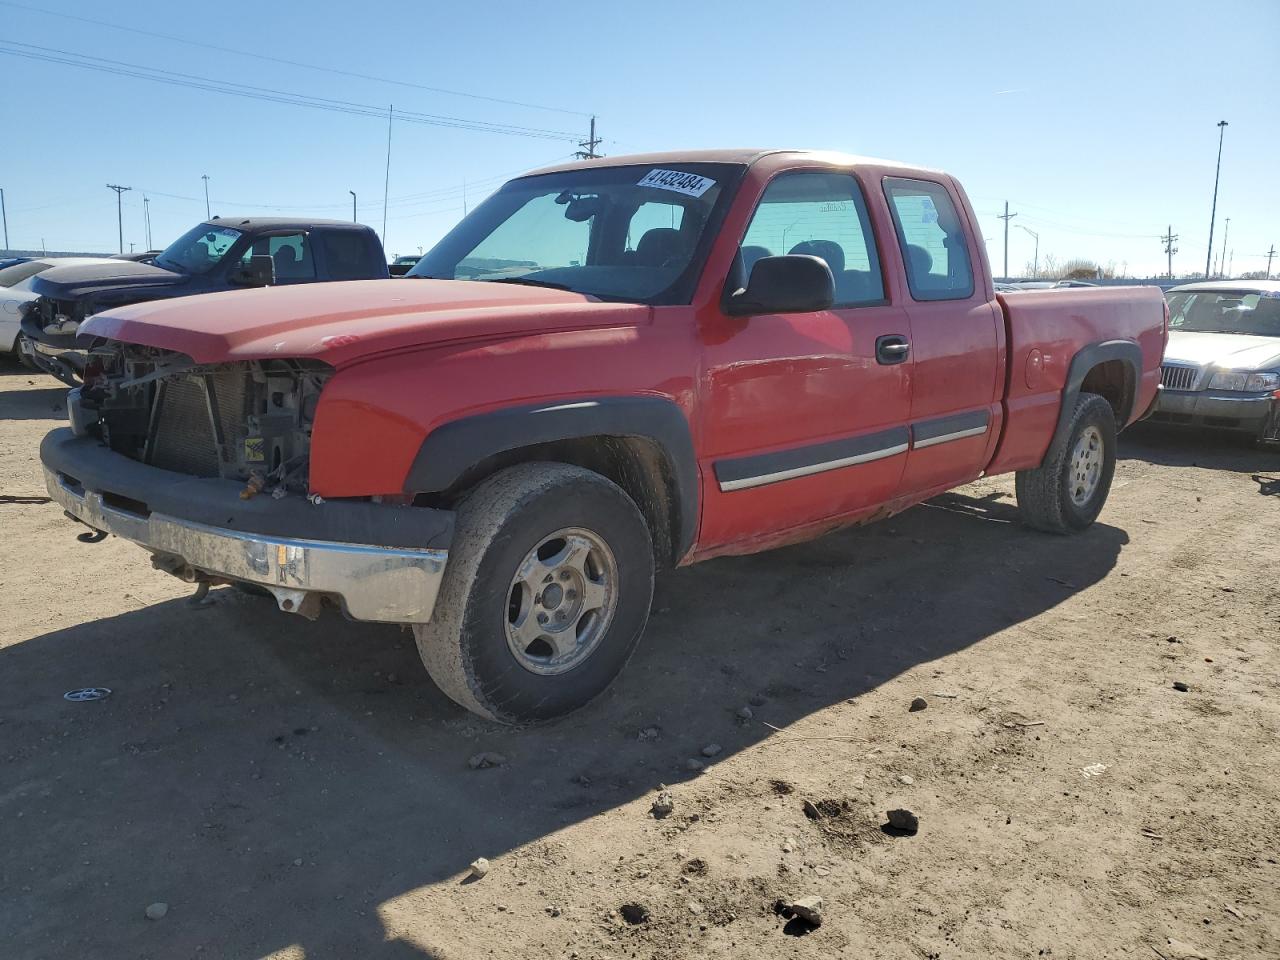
<point x="224" y="253"/>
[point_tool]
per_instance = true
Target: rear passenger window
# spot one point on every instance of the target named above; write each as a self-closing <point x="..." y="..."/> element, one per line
<point x="823" y="215"/>
<point x="932" y="240"/>
<point x="346" y="254"/>
<point x="291" y="254"/>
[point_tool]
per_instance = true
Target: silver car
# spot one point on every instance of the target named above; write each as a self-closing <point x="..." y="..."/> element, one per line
<point x="1222" y="365"/>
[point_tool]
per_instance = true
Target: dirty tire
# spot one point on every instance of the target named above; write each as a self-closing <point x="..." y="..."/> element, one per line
<point x="465" y="647"/>
<point x="1045" y="494"/>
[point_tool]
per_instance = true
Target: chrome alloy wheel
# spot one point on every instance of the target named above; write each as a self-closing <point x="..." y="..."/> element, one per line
<point x="1086" y="466"/>
<point x="561" y="601"/>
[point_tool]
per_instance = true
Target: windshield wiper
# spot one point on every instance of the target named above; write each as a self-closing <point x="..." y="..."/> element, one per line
<point x="528" y="282"/>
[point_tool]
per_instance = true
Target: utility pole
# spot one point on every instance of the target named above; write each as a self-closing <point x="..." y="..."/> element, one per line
<point x="119" y="213"/>
<point x="205" y="178"/>
<point x="1169" y="248"/>
<point x="1231" y="265"/>
<point x="1270" y="253"/>
<point x="353" y="206"/>
<point x="1035" y="265"/>
<point x="464" y="196"/>
<point x="146" y="217"/>
<point x="589" y="145"/>
<point x="1222" y="260"/>
<point x="5" y="217"/>
<point x="386" y="183"/>
<point x="1213" y="215"/>
<point x="1006" y="217"/>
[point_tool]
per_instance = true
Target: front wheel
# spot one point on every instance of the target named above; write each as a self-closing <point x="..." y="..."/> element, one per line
<point x="1066" y="493"/>
<point x="545" y="594"/>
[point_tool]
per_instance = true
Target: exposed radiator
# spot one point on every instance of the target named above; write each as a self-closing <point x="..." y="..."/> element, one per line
<point x="184" y="440"/>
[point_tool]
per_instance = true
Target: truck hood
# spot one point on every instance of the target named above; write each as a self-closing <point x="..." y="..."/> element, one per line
<point x="342" y="323"/>
<point x="1236" y="351"/>
<point x="91" y="279"/>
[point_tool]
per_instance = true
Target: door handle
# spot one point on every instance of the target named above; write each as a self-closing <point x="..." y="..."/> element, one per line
<point x="892" y="348"/>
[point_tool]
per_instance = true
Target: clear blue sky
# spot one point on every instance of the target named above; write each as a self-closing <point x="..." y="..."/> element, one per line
<point x="1095" y="120"/>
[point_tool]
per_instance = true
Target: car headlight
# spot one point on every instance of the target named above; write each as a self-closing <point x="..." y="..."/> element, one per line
<point x="1244" y="381"/>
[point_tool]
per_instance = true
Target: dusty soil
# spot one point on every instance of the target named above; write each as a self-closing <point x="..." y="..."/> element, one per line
<point x="298" y="790"/>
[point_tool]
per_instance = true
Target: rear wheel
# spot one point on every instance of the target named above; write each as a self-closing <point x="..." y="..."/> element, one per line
<point x="545" y="594"/>
<point x="1067" y="492"/>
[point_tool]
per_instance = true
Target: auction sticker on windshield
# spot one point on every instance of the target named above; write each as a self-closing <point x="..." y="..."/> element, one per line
<point x="690" y="184"/>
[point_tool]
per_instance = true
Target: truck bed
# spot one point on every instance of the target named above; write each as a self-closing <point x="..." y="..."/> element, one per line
<point x="1044" y="329"/>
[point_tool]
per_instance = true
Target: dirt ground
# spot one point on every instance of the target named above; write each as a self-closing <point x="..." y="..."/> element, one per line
<point x="296" y="790"/>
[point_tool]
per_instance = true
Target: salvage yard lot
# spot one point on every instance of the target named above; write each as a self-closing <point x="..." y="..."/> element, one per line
<point x="298" y="791"/>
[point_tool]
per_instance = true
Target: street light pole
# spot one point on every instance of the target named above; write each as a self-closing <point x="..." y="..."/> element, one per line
<point x="353" y="205"/>
<point x="119" y="213"/>
<point x="205" y="178"/>
<point x="5" y="217"/>
<point x="146" y="217"/>
<point x="1226" y="232"/>
<point x="1035" y="267"/>
<point x="1208" y="257"/>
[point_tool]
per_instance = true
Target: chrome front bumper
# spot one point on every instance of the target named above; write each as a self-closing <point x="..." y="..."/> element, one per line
<point x="1243" y="411"/>
<point x="392" y="585"/>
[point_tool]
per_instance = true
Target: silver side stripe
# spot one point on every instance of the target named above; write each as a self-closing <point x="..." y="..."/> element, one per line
<point x="946" y="437"/>
<point x="812" y="468"/>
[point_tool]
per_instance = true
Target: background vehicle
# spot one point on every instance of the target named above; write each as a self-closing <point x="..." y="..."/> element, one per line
<point x="1222" y="365"/>
<point x="219" y="254"/>
<point x="668" y="358"/>
<point x="142" y="256"/>
<point x="402" y="265"/>
<point x="16" y="279"/>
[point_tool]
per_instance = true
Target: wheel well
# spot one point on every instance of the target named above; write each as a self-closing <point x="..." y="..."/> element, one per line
<point x="635" y="464"/>
<point x="1113" y="381"/>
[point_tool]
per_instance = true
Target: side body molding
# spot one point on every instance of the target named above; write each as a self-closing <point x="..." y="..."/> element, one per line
<point x="454" y="448"/>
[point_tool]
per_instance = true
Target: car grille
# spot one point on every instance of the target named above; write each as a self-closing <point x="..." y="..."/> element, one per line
<point x="1179" y="378"/>
<point x="184" y="439"/>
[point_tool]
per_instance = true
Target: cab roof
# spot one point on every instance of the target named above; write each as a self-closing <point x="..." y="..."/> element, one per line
<point x="742" y="155"/>
<point x="247" y="224"/>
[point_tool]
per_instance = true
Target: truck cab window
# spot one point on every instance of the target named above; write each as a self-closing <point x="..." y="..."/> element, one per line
<point x="822" y="215"/>
<point x="932" y="240"/>
<point x="291" y="254"/>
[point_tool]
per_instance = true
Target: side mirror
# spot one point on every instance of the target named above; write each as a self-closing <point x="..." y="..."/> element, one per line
<point x="260" y="272"/>
<point x="796" y="283"/>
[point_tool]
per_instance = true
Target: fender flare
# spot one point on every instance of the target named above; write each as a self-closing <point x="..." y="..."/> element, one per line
<point x="455" y="447"/>
<point x="1085" y="360"/>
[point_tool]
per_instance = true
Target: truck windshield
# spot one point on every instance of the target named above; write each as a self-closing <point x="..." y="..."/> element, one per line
<point x="1223" y="311"/>
<point x="198" y="250"/>
<point x="631" y="233"/>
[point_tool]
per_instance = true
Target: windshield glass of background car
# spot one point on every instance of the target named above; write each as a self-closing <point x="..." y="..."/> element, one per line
<point x="13" y="275"/>
<point x="1225" y="312"/>
<point x="620" y="233"/>
<point x="198" y="250"/>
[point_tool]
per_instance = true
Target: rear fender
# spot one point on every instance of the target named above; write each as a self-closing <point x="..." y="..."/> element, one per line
<point x="1086" y="360"/>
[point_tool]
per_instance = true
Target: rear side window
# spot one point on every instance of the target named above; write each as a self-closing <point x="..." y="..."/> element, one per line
<point x="932" y="240"/>
<point x="822" y="215"/>
<point x="291" y="253"/>
<point x="347" y="255"/>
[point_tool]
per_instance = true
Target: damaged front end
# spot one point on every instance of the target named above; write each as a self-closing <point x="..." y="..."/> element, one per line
<point x="249" y="421"/>
<point x="206" y="467"/>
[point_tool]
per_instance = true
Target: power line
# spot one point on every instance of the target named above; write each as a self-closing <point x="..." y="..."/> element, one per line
<point x="119" y="212"/>
<point x="1006" y="217"/>
<point x="293" y="63"/>
<point x="1169" y="248"/>
<point x="103" y="65"/>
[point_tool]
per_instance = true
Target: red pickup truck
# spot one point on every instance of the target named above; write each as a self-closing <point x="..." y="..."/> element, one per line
<point x="608" y="367"/>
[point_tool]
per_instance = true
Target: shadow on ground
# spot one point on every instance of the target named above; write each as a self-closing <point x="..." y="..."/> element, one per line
<point x="239" y="740"/>
<point x="44" y="399"/>
<point x="1213" y="450"/>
